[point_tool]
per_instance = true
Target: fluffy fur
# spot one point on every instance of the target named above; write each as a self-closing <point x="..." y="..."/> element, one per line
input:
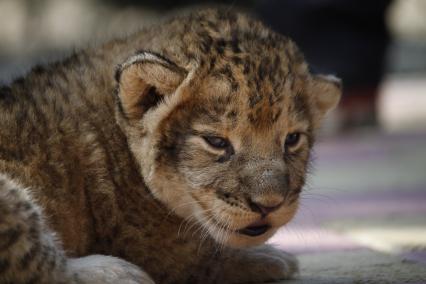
<point x="112" y="145"/>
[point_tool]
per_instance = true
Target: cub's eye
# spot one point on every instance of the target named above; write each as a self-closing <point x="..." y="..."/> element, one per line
<point x="292" y="139"/>
<point x="217" y="142"/>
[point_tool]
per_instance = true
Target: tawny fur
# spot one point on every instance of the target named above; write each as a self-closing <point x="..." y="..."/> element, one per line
<point x="109" y="142"/>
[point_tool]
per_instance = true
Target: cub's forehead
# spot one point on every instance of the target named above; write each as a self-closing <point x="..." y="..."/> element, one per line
<point x="260" y="102"/>
<point x="213" y="35"/>
<point x="248" y="71"/>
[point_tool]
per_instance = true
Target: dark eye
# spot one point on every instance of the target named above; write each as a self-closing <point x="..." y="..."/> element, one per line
<point x="217" y="142"/>
<point x="292" y="139"/>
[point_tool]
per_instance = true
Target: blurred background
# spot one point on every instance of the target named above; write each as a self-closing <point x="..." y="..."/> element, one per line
<point x="364" y="207"/>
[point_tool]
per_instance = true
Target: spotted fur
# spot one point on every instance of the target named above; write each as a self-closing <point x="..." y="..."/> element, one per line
<point x="111" y="142"/>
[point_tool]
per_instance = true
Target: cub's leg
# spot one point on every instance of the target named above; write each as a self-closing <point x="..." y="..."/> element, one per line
<point x="258" y="265"/>
<point x="29" y="252"/>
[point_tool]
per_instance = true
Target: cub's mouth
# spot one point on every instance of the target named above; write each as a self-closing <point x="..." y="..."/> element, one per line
<point x="255" y="229"/>
<point x="238" y="228"/>
<point x="254" y="233"/>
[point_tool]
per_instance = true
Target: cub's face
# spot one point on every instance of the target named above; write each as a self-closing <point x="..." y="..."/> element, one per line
<point x="225" y="145"/>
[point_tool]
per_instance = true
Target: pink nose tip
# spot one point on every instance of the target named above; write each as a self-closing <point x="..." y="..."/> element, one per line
<point x="262" y="209"/>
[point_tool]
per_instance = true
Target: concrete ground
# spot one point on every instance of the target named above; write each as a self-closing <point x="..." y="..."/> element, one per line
<point x="363" y="215"/>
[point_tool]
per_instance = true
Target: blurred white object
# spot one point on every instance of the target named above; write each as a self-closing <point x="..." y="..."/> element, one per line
<point x="402" y="103"/>
<point x="407" y="19"/>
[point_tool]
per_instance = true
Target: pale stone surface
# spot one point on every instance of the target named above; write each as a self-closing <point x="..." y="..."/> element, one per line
<point x="359" y="266"/>
<point x="392" y="234"/>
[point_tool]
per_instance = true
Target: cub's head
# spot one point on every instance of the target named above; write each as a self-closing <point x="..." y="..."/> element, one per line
<point x="221" y="119"/>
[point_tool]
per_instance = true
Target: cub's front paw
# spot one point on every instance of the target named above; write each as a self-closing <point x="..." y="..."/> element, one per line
<point x="106" y="270"/>
<point x="260" y="264"/>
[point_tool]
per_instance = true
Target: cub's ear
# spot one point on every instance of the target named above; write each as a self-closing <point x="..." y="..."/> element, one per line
<point x="326" y="91"/>
<point x="144" y="80"/>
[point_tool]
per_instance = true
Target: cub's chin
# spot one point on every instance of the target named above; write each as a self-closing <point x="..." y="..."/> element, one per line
<point x="234" y="232"/>
<point x="239" y="240"/>
<point x="252" y="235"/>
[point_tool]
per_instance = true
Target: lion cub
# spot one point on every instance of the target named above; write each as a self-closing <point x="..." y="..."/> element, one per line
<point x="169" y="156"/>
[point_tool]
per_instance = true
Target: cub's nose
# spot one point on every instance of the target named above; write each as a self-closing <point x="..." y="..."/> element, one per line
<point x="265" y="207"/>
